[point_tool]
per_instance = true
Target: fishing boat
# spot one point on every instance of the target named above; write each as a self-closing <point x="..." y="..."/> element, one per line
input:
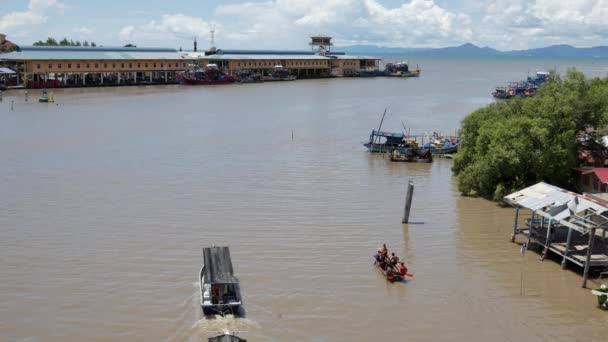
<point x="219" y="288"/>
<point x="211" y="74"/>
<point x="442" y="145"/>
<point x="522" y="89"/>
<point x="247" y="76"/>
<point x="279" y="74"/>
<point x="383" y="142"/>
<point x="413" y="156"/>
<point x="387" y="142"/>
<point x="401" y="70"/>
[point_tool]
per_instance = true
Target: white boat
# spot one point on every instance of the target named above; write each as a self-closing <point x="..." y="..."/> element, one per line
<point x="220" y="290"/>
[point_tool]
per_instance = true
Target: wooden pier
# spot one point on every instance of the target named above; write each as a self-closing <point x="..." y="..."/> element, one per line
<point x="570" y="225"/>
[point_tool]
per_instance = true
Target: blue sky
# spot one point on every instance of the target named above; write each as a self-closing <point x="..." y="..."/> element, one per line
<point x="275" y="24"/>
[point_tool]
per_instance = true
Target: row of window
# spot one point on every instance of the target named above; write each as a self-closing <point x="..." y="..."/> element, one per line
<point x="271" y="64"/>
<point x="105" y="65"/>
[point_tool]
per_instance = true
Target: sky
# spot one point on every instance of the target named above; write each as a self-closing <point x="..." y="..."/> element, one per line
<point x="288" y="24"/>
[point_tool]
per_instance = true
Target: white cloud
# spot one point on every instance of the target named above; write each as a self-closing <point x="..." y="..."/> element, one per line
<point x="83" y="31"/>
<point x="170" y="26"/>
<point x="521" y="24"/>
<point x="126" y="33"/>
<point x="37" y="13"/>
<point x="288" y="22"/>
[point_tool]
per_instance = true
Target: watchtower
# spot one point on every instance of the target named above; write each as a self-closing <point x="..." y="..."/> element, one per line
<point x="321" y="44"/>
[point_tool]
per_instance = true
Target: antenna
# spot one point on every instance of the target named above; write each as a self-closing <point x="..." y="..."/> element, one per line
<point x="212" y="31"/>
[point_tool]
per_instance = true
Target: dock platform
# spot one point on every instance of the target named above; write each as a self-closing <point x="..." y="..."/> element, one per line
<point x="570" y="225"/>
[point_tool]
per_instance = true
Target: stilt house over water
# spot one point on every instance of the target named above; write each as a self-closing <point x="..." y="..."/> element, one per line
<point x="571" y="225"/>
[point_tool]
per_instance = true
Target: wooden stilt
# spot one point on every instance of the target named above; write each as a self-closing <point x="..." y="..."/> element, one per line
<point x="547" y="239"/>
<point x="568" y="241"/>
<point x="588" y="259"/>
<point x="515" y="225"/>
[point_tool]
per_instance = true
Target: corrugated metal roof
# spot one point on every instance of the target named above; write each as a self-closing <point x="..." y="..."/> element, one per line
<point x="264" y="57"/>
<point x="576" y="211"/>
<point x="90" y="53"/>
<point x="218" y="266"/>
<point x="279" y="57"/>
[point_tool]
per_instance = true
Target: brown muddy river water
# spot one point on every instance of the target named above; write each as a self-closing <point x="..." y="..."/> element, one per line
<point x="107" y="197"/>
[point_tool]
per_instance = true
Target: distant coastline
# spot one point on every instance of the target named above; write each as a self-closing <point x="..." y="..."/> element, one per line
<point x="471" y="50"/>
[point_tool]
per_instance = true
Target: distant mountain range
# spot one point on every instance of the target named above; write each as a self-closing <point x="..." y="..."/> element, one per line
<point x="471" y="50"/>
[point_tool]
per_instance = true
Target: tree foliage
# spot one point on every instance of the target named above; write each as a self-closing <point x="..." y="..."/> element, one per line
<point x="64" y="42"/>
<point x="513" y="144"/>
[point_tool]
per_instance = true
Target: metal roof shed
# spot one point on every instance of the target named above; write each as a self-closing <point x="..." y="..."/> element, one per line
<point x="563" y="222"/>
<point x="218" y="266"/>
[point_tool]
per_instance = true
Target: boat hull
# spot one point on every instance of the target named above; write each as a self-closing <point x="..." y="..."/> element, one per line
<point x="395" y="277"/>
<point x="190" y="81"/>
<point x="380" y="148"/>
<point x="447" y="150"/>
<point x="411" y="160"/>
<point x="278" y="79"/>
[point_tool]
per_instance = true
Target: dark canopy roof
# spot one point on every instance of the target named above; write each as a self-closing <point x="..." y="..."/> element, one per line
<point x="218" y="266"/>
<point x="226" y="338"/>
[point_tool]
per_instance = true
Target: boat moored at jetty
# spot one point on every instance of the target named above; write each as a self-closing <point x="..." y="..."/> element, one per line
<point x="279" y="74"/>
<point x="211" y="74"/>
<point x="220" y="290"/>
<point x="415" y="155"/>
<point x="439" y="145"/>
<point x="526" y="88"/>
<point x="400" y="70"/>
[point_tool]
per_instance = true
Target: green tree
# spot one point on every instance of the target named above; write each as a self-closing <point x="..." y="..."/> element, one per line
<point x="93" y="44"/>
<point x="513" y="144"/>
<point x="85" y="43"/>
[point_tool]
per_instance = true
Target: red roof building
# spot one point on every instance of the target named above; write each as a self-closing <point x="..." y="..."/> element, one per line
<point x="593" y="179"/>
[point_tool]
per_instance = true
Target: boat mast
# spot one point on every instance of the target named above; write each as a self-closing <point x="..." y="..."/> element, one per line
<point x="379" y="127"/>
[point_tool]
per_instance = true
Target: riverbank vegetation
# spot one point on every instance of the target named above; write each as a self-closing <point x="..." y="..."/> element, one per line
<point x="512" y="144"/>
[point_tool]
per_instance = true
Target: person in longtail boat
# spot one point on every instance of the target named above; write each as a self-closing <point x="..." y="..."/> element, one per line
<point x="394" y="260"/>
<point x="378" y="256"/>
<point x="402" y="269"/>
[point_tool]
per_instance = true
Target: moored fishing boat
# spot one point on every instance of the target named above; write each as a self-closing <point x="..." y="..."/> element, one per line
<point x="401" y="70"/>
<point x="383" y="142"/>
<point x="417" y="155"/>
<point x="442" y="145"/>
<point x="211" y="74"/>
<point x="219" y="288"/>
<point x="279" y="74"/>
<point x="523" y="89"/>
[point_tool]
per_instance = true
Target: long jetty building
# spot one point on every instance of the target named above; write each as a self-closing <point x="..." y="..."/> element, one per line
<point x="79" y="66"/>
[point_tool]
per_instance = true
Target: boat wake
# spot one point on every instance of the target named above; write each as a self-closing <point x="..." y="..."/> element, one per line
<point x="206" y="327"/>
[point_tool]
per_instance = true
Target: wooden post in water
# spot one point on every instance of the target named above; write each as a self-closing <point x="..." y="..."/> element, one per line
<point x="12" y="105"/>
<point x="568" y="242"/>
<point x="547" y="239"/>
<point x="408" y="202"/>
<point x="515" y="224"/>
<point x="0" y="95"/>
<point x="588" y="259"/>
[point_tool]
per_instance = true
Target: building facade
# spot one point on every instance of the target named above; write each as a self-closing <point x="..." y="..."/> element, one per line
<point x="58" y="66"/>
<point x="77" y="66"/>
